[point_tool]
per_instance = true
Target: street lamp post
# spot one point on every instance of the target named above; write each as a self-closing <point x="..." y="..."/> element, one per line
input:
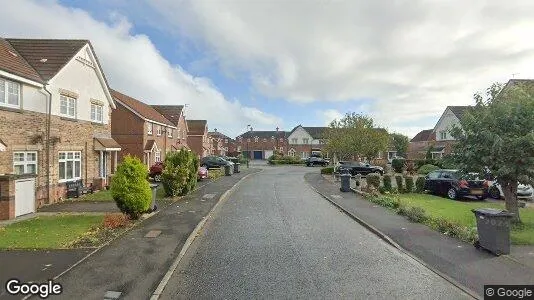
<point x="249" y="129"/>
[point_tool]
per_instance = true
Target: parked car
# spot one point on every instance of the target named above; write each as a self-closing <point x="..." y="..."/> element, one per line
<point x="316" y="161"/>
<point x="210" y="162"/>
<point x="455" y="184"/>
<point x="523" y="190"/>
<point x="355" y="168"/>
<point x="155" y="171"/>
<point x="202" y="173"/>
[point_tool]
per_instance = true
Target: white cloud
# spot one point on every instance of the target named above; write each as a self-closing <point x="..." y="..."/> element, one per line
<point x="132" y="63"/>
<point x="329" y="115"/>
<point x="413" y="57"/>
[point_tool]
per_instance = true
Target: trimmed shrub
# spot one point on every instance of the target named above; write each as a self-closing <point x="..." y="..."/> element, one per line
<point x="327" y="170"/>
<point x="400" y="183"/>
<point x="409" y="184"/>
<point x="215" y="173"/>
<point x="180" y="173"/>
<point x="397" y="164"/>
<point x="425" y="169"/>
<point x="387" y="182"/>
<point x="130" y="188"/>
<point x="416" y="214"/>
<point x="420" y="184"/>
<point x="373" y="180"/>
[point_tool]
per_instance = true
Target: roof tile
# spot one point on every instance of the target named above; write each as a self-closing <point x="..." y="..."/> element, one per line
<point x="145" y="110"/>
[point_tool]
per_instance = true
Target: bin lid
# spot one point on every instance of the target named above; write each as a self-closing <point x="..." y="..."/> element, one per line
<point x="153" y="185"/>
<point x="492" y="212"/>
<point x="345" y="175"/>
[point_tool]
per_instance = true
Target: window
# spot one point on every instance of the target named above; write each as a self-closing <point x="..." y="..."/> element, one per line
<point x="67" y="106"/>
<point x="294" y="141"/>
<point x="305" y="141"/>
<point x="443" y="135"/>
<point x="97" y="113"/>
<point x="226" y="141"/>
<point x="157" y="156"/>
<point x="437" y="155"/>
<point x="149" y="128"/>
<point x="264" y="140"/>
<point x="158" y="130"/>
<point x="281" y="140"/>
<point x="291" y="152"/>
<point x="248" y="140"/>
<point x="282" y="149"/>
<point x="304" y="155"/>
<point x="256" y="139"/>
<point x="9" y="93"/>
<point x="70" y="163"/>
<point x="169" y="132"/>
<point x="25" y="162"/>
<point x="272" y="138"/>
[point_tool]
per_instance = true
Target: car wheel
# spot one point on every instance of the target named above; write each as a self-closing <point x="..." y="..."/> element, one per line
<point x="452" y="194"/>
<point x="157" y="178"/>
<point x="494" y="193"/>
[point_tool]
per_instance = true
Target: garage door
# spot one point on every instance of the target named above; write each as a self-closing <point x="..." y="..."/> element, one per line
<point x="258" y="154"/>
<point x="24" y="196"/>
<point x="268" y="153"/>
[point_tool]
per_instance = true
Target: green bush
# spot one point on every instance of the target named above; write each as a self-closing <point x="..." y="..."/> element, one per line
<point x="130" y="188"/>
<point x="398" y="164"/>
<point x="327" y="170"/>
<point x="409" y="184"/>
<point x="416" y="214"/>
<point x="215" y="173"/>
<point x="180" y="173"/>
<point x="425" y="169"/>
<point x="373" y="179"/>
<point x="387" y="182"/>
<point x="420" y="184"/>
<point x="278" y="159"/>
<point x="400" y="183"/>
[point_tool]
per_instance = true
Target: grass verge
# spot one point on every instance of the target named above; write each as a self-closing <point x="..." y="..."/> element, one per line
<point x="453" y="218"/>
<point x="47" y="232"/>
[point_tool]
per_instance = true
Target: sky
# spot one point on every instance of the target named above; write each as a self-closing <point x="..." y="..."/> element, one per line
<point x="274" y="63"/>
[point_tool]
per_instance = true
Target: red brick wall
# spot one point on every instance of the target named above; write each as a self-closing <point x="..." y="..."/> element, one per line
<point x="195" y="144"/>
<point x="7" y="199"/>
<point x="127" y="130"/>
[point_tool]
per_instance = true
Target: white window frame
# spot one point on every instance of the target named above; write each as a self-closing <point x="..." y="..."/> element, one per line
<point x="157" y="156"/>
<point x="76" y="156"/>
<point x="25" y="162"/>
<point x="97" y="113"/>
<point x="226" y="141"/>
<point x="169" y="132"/>
<point x="256" y="139"/>
<point x="158" y="130"/>
<point x="282" y="140"/>
<point x="4" y="99"/>
<point x="443" y="135"/>
<point x="291" y="152"/>
<point x="437" y="154"/>
<point x="149" y="128"/>
<point x="294" y="141"/>
<point x="305" y="141"/>
<point x="303" y="154"/>
<point x="71" y="104"/>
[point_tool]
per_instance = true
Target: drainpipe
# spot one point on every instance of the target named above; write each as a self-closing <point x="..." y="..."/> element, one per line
<point x="48" y="125"/>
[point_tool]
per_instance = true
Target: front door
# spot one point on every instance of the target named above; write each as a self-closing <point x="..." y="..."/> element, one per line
<point x="104" y="165"/>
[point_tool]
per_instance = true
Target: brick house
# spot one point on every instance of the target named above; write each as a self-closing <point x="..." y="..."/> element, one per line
<point x="197" y="137"/>
<point x="420" y="143"/>
<point x="141" y="130"/>
<point x="175" y="114"/>
<point x="305" y="141"/>
<point x="261" y="144"/>
<point x="55" y="107"/>
<point x="222" y="144"/>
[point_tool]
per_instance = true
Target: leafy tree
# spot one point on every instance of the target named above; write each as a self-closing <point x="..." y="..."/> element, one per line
<point x="400" y="142"/>
<point x="355" y="135"/>
<point x="498" y="133"/>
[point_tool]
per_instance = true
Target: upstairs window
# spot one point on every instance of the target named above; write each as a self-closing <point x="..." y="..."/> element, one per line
<point x="226" y="141"/>
<point x="443" y="135"/>
<point x="67" y="106"/>
<point x="149" y="128"/>
<point x="97" y="113"/>
<point x="256" y="139"/>
<point x="169" y="132"/>
<point x="305" y="141"/>
<point x="158" y="130"/>
<point x="264" y="140"/>
<point x="9" y="93"/>
<point x="294" y="141"/>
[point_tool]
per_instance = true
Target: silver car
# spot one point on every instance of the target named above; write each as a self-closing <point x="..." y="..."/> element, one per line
<point x="523" y="191"/>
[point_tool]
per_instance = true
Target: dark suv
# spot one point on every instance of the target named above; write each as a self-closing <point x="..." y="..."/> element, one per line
<point x="213" y="162"/>
<point x="455" y="184"/>
<point x="316" y="161"/>
<point x="355" y="168"/>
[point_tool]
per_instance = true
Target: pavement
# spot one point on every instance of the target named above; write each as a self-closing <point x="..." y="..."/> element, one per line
<point x="131" y="264"/>
<point x="456" y="260"/>
<point x="275" y="238"/>
<point x="134" y="264"/>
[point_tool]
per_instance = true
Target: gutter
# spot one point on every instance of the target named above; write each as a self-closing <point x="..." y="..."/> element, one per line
<point x="48" y="125"/>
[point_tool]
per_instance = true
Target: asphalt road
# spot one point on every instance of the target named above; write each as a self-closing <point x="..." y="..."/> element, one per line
<point x="276" y="238"/>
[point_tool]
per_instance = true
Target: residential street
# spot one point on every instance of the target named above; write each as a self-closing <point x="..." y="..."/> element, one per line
<point x="276" y="238"/>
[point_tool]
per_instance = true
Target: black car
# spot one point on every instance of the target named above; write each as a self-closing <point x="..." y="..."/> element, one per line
<point x="316" y="161"/>
<point x="455" y="184"/>
<point x="213" y="162"/>
<point x="355" y="168"/>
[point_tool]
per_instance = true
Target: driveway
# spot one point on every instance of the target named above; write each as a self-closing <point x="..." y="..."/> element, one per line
<point x="276" y="238"/>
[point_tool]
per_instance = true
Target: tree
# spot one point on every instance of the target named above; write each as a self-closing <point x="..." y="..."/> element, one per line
<point x="498" y="133"/>
<point x="355" y="135"/>
<point x="400" y="142"/>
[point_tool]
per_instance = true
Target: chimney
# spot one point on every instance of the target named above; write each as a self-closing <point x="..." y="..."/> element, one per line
<point x="215" y="129"/>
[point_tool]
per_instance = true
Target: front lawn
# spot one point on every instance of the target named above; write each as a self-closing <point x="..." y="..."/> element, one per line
<point x="47" y="232"/>
<point x="460" y="213"/>
<point x="105" y="195"/>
